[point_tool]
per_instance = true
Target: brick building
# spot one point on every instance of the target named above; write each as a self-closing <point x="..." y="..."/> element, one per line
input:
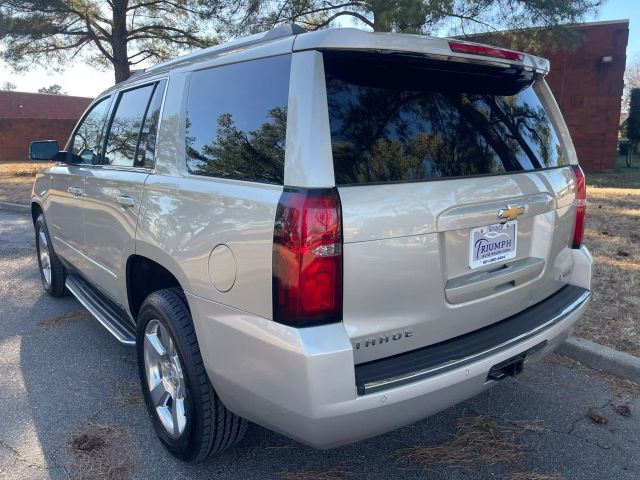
<point x="25" y="117"/>
<point x="587" y="83"/>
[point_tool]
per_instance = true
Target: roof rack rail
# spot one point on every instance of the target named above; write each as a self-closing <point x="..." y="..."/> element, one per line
<point x="280" y="31"/>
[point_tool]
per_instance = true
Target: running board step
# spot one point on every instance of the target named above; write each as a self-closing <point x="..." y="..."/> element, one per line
<point x="110" y="315"/>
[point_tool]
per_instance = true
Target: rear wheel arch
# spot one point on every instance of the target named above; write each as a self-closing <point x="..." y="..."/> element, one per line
<point x="145" y="276"/>
<point x="36" y="211"/>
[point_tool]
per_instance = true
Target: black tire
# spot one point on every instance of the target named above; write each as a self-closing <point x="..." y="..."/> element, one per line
<point x="55" y="287"/>
<point x="210" y="427"/>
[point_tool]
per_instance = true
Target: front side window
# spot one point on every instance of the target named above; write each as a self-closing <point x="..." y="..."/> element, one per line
<point x="237" y="120"/>
<point x="86" y="141"/>
<point x="125" y="126"/>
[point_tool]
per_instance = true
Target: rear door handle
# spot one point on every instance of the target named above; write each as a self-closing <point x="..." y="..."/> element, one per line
<point x="75" y="191"/>
<point x="125" y="201"/>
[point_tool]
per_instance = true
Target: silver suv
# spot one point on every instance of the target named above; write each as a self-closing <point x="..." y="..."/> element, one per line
<point x="330" y="234"/>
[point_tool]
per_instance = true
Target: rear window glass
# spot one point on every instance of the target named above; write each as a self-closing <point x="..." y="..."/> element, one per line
<point x="398" y="120"/>
<point x="237" y="120"/>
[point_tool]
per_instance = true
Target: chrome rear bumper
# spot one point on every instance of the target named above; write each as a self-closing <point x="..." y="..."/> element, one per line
<point x="457" y="352"/>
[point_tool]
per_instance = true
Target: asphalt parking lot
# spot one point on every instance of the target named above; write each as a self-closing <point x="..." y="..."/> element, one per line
<point x="70" y="407"/>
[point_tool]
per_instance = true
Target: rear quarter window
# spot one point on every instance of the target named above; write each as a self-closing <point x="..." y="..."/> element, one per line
<point x="237" y="120"/>
<point x="396" y="121"/>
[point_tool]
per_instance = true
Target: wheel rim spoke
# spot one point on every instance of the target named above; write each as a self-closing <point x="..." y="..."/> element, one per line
<point x="177" y="416"/>
<point x="154" y="349"/>
<point x="159" y="395"/>
<point x="171" y="351"/>
<point x="164" y="338"/>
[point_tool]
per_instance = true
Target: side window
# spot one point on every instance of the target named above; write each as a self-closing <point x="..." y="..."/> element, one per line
<point x="86" y="140"/>
<point x="147" y="144"/>
<point x="237" y="120"/>
<point x="125" y="126"/>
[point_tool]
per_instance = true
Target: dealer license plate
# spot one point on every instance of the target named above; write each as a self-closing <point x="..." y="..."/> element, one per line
<point x="492" y="243"/>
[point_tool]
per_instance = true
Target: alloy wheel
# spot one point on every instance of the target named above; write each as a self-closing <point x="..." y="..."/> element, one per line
<point x="165" y="378"/>
<point x="45" y="258"/>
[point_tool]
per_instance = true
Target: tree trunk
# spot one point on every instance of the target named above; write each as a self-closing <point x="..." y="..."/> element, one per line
<point x="119" y="41"/>
<point x="381" y="15"/>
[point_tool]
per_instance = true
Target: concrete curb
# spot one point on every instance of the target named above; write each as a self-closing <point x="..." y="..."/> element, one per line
<point x="603" y="358"/>
<point x="15" y="207"/>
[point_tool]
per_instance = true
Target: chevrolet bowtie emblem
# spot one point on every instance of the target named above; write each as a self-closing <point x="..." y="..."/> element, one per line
<point x="511" y="212"/>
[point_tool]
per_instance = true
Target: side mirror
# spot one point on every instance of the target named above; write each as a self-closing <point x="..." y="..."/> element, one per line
<point x="44" y="150"/>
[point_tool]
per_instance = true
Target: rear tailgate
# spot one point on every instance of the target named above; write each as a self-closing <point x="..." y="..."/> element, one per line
<point x="457" y="198"/>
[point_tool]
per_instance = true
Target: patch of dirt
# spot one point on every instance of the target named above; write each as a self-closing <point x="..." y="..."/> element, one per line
<point x="337" y="472"/>
<point x="612" y="235"/>
<point x="126" y="392"/>
<point x="101" y="453"/>
<point x="595" y="417"/>
<point x="623" y="410"/>
<point x="16" y="180"/>
<point x="64" y="319"/>
<point x="533" y="476"/>
<point x="477" y="442"/>
<point x="88" y="443"/>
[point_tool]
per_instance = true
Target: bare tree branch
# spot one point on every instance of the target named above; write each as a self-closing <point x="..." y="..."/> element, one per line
<point x="357" y="15"/>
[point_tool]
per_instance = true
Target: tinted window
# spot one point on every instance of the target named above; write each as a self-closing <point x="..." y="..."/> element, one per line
<point x="403" y="121"/>
<point x="87" y="138"/>
<point x="125" y="126"/>
<point x="148" y="135"/>
<point x="237" y="120"/>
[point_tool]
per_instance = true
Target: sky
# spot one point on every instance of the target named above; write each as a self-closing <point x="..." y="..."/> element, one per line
<point x="83" y="80"/>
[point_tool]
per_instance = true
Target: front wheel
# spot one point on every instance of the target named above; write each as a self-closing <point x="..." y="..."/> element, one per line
<point x="52" y="271"/>
<point x="186" y="413"/>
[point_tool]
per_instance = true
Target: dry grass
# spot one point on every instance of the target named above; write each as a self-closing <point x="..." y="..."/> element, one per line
<point x="100" y="453"/>
<point x="613" y="236"/>
<point x="532" y="476"/>
<point x="16" y="180"/>
<point x="337" y="472"/>
<point x="63" y="319"/>
<point x="477" y="442"/>
<point x="536" y="426"/>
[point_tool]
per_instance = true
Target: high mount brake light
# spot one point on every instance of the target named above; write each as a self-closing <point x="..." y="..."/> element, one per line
<point x="307" y="257"/>
<point x="473" y="49"/>
<point x="581" y="205"/>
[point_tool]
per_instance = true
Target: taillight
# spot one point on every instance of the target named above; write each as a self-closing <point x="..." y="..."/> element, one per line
<point x="473" y="49"/>
<point x="581" y="205"/>
<point x="307" y="257"/>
